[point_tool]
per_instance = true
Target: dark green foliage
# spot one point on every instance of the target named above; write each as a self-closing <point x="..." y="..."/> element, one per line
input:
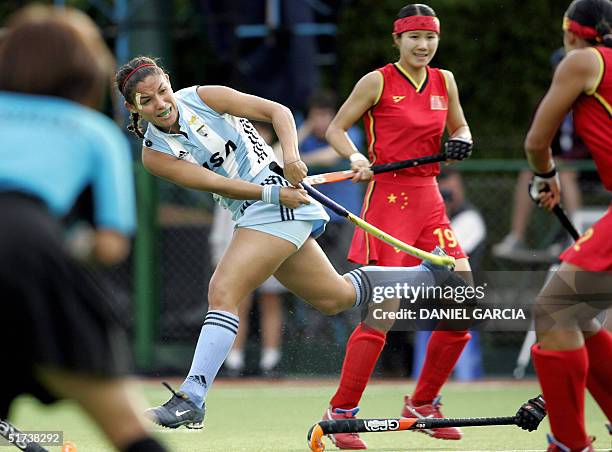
<point x="497" y="49"/>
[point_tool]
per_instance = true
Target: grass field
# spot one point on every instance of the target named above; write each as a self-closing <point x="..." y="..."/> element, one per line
<point x="275" y="416"/>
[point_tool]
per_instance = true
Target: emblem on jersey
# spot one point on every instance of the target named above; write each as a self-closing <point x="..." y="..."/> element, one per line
<point x="182" y="154"/>
<point x="192" y="120"/>
<point x="438" y="103"/>
<point x="397" y="99"/>
<point x="202" y="130"/>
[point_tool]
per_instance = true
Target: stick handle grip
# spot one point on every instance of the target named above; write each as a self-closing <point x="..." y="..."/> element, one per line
<point x="327" y="202"/>
<point x="466" y="422"/>
<point x="565" y="221"/>
<point x="399" y="424"/>
<point x="377" y="169"/>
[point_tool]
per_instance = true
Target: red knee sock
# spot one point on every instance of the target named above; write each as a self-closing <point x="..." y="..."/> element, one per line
<point x="599" y="379"/>
<point x="443" y="350"/>
<point x="562" y="375"/>
<point x="362" y="352"/>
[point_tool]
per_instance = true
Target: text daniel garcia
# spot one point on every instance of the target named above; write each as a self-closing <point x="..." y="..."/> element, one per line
<point x="451" y="313"/>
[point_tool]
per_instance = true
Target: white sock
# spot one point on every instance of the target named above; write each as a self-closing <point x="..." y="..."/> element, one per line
<point x="235" y="359"/>
<point x="270" y="356"/>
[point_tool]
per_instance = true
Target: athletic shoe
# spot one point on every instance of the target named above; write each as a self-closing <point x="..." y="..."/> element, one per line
<point x="350" y="441"/>
<point x="509" y="246"/>
<point x="177" y="411"/>
<point x="557" y="446"/>
<point x="428" y="411"/>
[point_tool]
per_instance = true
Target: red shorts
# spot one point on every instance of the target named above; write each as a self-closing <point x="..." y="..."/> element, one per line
<point x="412" y="212"/>
<point x="593" y="250"/>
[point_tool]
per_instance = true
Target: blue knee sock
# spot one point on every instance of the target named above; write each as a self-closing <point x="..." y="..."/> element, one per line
<point x="215" y="341"/>
<point x="368" y="281"/>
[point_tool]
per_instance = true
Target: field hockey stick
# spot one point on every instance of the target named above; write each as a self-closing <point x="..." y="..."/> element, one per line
<point x="562" y="217"/>
<point x="337" y="176"/>
<point x="367" y="227"/>
<point x="528" y="417"/>
<point x="17" y="438"/>
<point x="565" y="221"/>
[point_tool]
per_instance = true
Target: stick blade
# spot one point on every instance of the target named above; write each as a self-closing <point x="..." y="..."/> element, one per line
<point x="315" y="438"/>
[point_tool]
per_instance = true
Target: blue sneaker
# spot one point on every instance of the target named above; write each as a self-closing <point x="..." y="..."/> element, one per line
<point x="176" y="412"/>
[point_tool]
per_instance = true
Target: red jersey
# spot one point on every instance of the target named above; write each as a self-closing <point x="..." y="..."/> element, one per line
<point x="593" y="117"/>
<point x="407" y="121"/>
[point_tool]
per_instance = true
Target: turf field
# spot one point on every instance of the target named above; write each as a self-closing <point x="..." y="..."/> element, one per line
<point x="264" y="416"/>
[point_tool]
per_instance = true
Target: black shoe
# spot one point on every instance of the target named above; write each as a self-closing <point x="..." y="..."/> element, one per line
<point x="177" y="411"/>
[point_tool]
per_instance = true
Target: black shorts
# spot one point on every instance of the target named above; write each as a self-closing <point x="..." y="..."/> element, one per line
<point x="55" y="311"/>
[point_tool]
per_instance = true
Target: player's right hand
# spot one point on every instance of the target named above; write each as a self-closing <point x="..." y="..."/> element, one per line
<point x="545" y="189"/>
<point x="362" y="171"/>
<point x="294" y="197"/>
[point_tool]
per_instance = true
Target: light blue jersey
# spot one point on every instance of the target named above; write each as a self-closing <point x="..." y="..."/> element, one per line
<point x="53" y="149"/>
<point x="229" y="146"/>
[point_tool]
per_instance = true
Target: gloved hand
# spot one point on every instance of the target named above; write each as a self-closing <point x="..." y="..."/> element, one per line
<point x="458" y="148"/>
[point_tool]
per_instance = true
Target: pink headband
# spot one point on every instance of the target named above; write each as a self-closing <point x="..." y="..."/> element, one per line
<point x="137" y="68"/>
<point x="410" y="23"/>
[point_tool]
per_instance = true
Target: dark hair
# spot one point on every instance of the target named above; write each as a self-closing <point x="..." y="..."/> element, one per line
<point x="126" y="87"/>
<point x="415" y="9"/>
<point x="596" y="14"/>
<point x="323" y="99"/>
<point x="55" y="52"/>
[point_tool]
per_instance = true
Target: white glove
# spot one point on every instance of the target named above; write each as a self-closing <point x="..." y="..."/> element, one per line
<point x="543" y="183"/>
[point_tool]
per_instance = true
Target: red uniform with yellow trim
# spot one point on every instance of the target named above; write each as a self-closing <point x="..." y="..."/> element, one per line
<point x="593" y="121"/>
<point x="407" y="121"/>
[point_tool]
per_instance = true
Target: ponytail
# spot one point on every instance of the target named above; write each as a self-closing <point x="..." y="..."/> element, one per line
<point x="134" y="127"/>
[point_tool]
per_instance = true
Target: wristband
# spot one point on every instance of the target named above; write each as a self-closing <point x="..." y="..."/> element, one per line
<point x="266" y="194"/>
<point x="548" y="175"/>
<point x="270" y="194"/>
<point x="275" y="194"/>
<point x="357" y="156"/>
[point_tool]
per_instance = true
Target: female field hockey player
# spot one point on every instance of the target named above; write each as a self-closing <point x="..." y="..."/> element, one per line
<point x="199" y="138"/>
<point x="573" y="350"/>
<point x="58" y="332"/>
<point x="406" y="106"/>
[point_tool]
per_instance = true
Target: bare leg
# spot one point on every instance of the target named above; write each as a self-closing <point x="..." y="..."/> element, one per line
<point x="309" y="275"/>
<point x="243" y="330"/>
<point x="271" y="319"/>
<point x="572" y="198"/>
<point x="111" y="403"/>
<point x="522" y="206"/>
<point x="561" y="358"/>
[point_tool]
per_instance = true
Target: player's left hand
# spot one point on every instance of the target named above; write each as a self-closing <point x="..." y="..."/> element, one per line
<point x="545" y="189"/>
<point x="458" y="148"/>
<point x="529" y="416"/>
<point x="295" y="171"/>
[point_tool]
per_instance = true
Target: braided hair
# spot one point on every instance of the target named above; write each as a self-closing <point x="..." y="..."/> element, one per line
<point x="126" y="79"/>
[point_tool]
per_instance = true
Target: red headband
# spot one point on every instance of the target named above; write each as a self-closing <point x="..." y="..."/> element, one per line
<point x="582" y="31"/>
<point x="137" y="68"/>
<point x="429" y="23"/>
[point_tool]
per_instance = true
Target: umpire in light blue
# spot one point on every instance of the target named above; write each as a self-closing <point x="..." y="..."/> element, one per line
<point x="58" y="334"/>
